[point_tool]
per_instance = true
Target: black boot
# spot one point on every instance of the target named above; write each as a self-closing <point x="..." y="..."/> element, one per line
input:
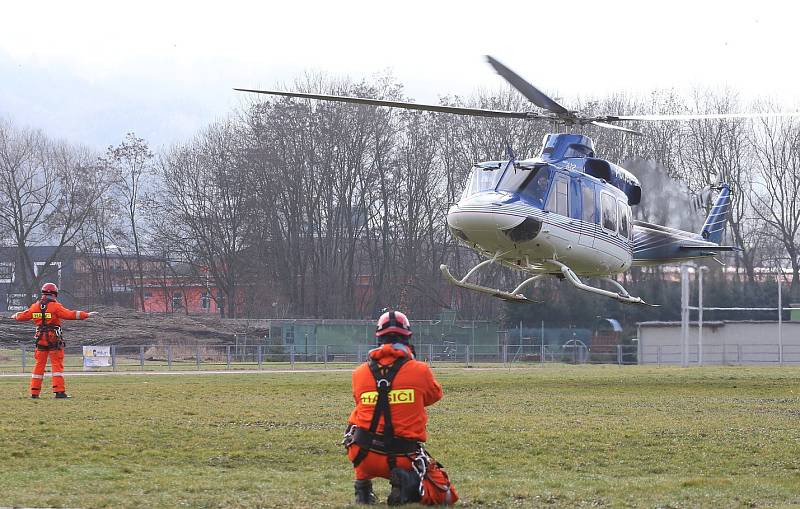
<point x="35" y="396"/>
<point x="364" y="494"/>
<point x="405" y="487"/>
<point x="62" y="395"/>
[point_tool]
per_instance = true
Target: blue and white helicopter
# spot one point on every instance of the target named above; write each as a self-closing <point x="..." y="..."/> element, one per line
<point x="564" y="213"/>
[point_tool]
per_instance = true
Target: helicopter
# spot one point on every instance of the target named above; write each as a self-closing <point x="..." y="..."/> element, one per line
<point x="564" y="213"/>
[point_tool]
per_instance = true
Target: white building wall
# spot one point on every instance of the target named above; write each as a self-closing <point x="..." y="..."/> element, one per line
<point x="729" y="342"/>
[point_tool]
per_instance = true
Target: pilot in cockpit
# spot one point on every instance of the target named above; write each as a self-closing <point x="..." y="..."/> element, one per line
<point x="539" y="189"/>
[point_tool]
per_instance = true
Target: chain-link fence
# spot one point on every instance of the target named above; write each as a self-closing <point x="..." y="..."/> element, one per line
<point x="263" y="356"/>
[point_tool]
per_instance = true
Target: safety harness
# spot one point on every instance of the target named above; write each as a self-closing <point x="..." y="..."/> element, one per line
<point x="44" y="330"/>
<point x="386" y="442"/>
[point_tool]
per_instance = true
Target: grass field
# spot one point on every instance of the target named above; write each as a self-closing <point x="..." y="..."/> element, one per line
<point x="553" y="436"/>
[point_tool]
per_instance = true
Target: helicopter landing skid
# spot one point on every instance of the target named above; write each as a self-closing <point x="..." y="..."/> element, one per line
<point x="514" y="295"/>
<point x="622" y="295"/>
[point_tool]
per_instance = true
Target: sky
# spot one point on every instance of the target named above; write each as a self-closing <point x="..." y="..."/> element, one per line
<point x="90" y="71"/>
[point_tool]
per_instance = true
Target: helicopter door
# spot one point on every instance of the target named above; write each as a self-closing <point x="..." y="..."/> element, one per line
<point x="588" y="214"/>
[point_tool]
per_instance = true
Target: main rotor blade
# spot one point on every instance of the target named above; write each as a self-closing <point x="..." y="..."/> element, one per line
<point x="618" y="128"/>
<point x="532" y="93"/>
<point x="699" y="116"/>
<point x="479" y="112"/>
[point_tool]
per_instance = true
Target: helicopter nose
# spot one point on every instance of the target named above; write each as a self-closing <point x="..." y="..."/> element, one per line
<point x="491" y="228"/>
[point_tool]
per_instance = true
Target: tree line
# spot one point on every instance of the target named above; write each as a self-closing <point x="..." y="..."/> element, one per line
<point x="305" y="208"/>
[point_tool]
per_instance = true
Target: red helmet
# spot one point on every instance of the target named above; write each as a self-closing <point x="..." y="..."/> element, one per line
<point x="393" y="322"/>
<point x="49" y="289"/>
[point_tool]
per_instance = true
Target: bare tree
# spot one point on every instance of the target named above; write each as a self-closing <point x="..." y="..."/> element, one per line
<point x="776" y="143"/>
<point x="204" y="207"/>
<point x="131" y="163"/>
<point x="47" y="192"/>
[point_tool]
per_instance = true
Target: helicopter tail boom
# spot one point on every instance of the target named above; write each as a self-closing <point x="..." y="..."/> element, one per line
<point x="655" y="244"/>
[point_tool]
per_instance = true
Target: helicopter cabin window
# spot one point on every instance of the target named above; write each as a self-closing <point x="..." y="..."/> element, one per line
<point x="609" y="209"/>
<point x="587" y="192"/>
<point x="558" y="200"/>
<point x="624" y="221"/>
<point x="481" y="179"/>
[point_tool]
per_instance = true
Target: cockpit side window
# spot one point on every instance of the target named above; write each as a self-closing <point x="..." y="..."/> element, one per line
<point x="534" y="187"/>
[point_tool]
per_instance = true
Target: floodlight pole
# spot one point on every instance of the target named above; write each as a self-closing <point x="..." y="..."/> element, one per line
<point x="700" y="273"/>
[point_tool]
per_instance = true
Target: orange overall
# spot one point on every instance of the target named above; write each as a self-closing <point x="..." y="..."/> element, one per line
<point x="47" y="314"/>
<point x="412" y="389"/>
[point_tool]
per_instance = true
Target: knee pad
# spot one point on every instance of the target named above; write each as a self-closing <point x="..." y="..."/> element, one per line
<point x="405" y="487"/>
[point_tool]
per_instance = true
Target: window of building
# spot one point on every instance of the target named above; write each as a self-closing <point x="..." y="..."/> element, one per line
<point x="7" y="272"/>
<point x="205" y="300"/>
<point x="51" y="271"/>
<point x="609" y="209"/>
<point x="16" y="302"/>
<point x="177" y="301"/>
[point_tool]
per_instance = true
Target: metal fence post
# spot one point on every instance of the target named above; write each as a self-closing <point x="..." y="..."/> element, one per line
<point x="228" y="355"/>
<point x="780" y="323"/>
<point x="141" y="357"/>
<point x="658" y="354"/>
<point x="466" y="354"/>
<point x="197" y="356"/>
<point x="291" y="356"/>
<point x="505" y="355"/>
<point x="619" y="355"/>
<point x="169" y="356"/>
<point x="325" y="355"/>
<point x="358" y="359"/>
<point x="24" y="358"/>
<point x="113" y="357"/>
<point x="430" y="354"/>
<point x="260" y="354"/>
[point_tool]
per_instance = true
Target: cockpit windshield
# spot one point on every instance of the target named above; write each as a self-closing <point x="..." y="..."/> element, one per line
<point x="482" y="179"/>
<point x="530" y="183"/>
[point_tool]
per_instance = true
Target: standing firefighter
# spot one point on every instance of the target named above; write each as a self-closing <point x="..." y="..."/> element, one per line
<point x="47" y="314"/>
<point x="387" y="427"/>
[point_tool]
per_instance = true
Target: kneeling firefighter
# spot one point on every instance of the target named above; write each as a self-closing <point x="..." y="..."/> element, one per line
<point x="387" y="427"/>
<point x="47" y="314"/>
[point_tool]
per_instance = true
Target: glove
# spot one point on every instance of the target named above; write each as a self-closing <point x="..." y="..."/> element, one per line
<point x="93" y="314"/>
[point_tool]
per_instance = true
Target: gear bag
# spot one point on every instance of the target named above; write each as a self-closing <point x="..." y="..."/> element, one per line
<point x="436" y="487"/>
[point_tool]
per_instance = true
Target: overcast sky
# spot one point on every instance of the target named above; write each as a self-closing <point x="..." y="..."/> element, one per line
<point x="90" y="71"/>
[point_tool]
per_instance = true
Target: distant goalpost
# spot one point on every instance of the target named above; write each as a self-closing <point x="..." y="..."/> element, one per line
<point x="687" y="308"/>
